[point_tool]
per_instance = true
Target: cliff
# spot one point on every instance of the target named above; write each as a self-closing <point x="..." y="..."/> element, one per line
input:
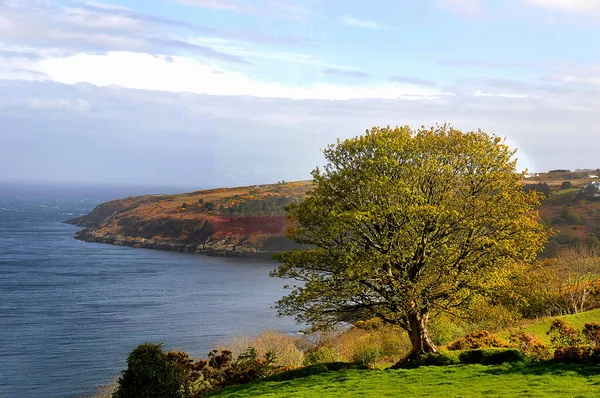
<point x="244" y="221"/>
<point x="251" y="221"/>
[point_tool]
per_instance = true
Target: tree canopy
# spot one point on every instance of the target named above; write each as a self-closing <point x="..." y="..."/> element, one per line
<point x="405" y="224"/>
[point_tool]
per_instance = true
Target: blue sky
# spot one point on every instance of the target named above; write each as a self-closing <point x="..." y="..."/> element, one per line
<point x="231" y="92"/>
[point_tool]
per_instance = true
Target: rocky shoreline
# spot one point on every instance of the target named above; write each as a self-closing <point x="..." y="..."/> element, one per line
<point x="213" y="248"/>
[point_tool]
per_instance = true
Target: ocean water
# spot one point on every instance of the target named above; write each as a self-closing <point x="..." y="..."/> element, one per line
<point x="71" y="311"/>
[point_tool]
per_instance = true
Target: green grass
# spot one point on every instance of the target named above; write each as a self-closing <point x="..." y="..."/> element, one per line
<point x="564" y="191"/>
<point x="540" y="328"/>
<point x="516" y="380"/>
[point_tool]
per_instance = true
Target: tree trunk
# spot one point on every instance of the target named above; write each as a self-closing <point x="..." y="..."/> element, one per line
<point x="419" y="338"/>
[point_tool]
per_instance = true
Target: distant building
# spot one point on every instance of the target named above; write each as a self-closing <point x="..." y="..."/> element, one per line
<point x="592" y="176"/>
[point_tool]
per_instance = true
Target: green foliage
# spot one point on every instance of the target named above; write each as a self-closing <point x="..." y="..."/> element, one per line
<point x="149" y="374"/>
<point x="562" y="334"/>
<point x="439" y="358"/>
<point x="269" y="205"/>
<point x="319" y="354"/>
<point x="491" y="356"/>
<point x="481" y="339"/>
<point x="566" y="185"/>
<point x="400" y="222"/>
<point x="311" y="370"/>
<point x="366" y="356"/>
<point x="209" y="206"/>
<point x="570" y="216"/>
<point x="592" y="242"/>
<point x="566" y="238"/>
<point x="540" y="187"/>
<point x="200" y="377"/>
<point x="443" y="330"/>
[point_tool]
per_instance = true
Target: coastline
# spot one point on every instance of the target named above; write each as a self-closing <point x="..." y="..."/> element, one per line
<point x="213" y="248"/>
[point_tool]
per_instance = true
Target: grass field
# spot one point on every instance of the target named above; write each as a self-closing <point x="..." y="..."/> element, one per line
<point x="517" y="380"/>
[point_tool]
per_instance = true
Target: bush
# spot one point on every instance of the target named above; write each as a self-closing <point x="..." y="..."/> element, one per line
<point x="566" y="238"/>
<point x="370" y="324"/>
<point x="566" y="185"/>
<point x="149" y="373"/>
<point x="481" y="339"/>
<point x="443" y="331"/>
<point x="592" y="242"/>
<point x="391" y="342"/>
<point x="439" y="358"/>
<point x="319" y="354"/>
<point x="563" y="335"/>
<point x="591" y="332"/>
<point x="491" y="356"/>
<point x="285" y="347"/>
<point x="366" y="356"/>
<point x="573" y="354"/>
<point x="570" y="216"/>
<point x="311" y="370"/>
<point x="529" y="344"/>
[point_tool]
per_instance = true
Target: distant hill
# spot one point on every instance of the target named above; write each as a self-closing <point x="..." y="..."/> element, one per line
<point x="243" y="221"/>
<point x="251" y="221"/>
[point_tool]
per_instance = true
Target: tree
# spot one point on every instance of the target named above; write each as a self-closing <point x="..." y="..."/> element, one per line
<point x="404" y="225"/>
<point x="566" y="185"/>
<point x="571" y="278"/>
<point x="150" y="373"/>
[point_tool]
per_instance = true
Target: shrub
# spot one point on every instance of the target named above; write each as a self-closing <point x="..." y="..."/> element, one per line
<point x="529" y="344"/>
<point x="572" y="354"/>
<point x="319" y="354"/>
<point x="481" y="339"/>
<point x="566" y="238"/>
<point x="366" y="356"/>
<point x="566" y="185"/>
<point x="391" y="342"/>
<point x="439" y="358"/>
<point x="149" y="373"/>
<point x="371" y="324"/>
<point x="563" y="335"/>
<point x="591" y="331"/>
<point x="311" y="370"/>
<point x="285" y="347"/>
<point x="221" y="370"/>
<point x="443" y="331"/>
<point x="570" y="216"/>
<point x="592" y="242"/>
<point x="491" y="356"/>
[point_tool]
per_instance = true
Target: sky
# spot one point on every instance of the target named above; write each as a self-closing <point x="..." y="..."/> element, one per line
<point x="209" y="93"/>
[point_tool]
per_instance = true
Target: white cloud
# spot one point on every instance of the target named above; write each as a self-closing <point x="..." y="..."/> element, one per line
<point x="183" y="74"/>
<point x="576" y="6"/>
<point x="464" y="7"/>
<point x="62" y="104"/>
<point x="362" y="23"/>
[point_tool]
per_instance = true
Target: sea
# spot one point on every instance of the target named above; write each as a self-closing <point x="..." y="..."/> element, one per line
<point x="71" y="311"/>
